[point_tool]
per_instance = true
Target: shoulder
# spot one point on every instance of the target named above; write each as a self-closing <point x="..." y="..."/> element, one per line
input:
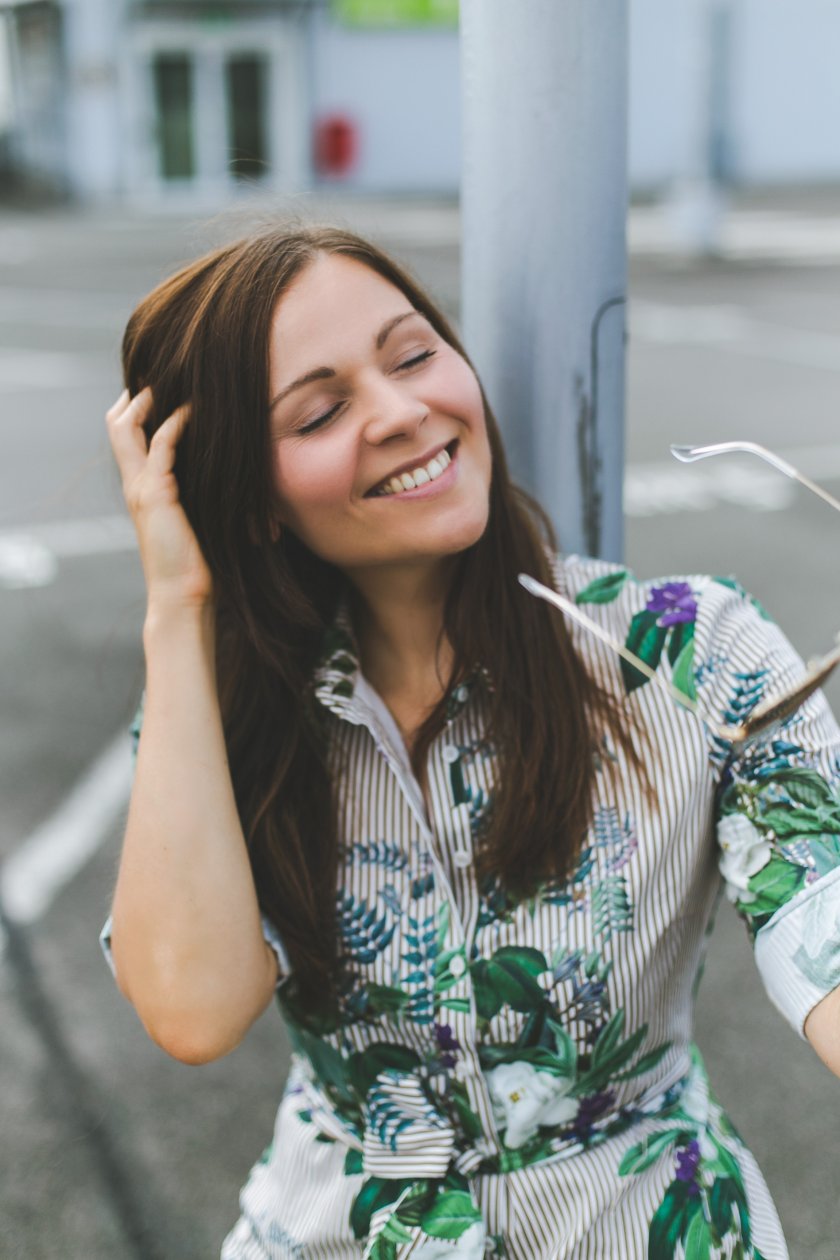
<point x="700" y="628"/>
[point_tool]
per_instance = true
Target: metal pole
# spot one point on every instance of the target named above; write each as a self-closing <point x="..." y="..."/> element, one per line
<point x="543" y="213"/>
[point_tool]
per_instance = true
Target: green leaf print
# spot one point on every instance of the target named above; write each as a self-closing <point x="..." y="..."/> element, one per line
<point x="772" y="886"/>
<point x="376" y="1193"/>
<point x="531" y="960"/>
<point x="644" y="1154"/>
<point x="683" y="672"/>
<point x="384" y="999"/>
<point x="603" y="590"/>
<point x="646" y="640"/>
<point x="364" y="1066"/>
<point x="609" y="1038"/>
<point x="698" y="1240"/>
<point x="353" y="1162"/>
<point x="644" y="1064"/>
<point x="681" y="634"/>
<point x="806" y="787"/>
<point x="723" y="1198"/>
<point x="787" y="822"/>
<point x="505" y="980"/>
<point x="672" y="1220"/>
<point x="451" y="1215"/>
<point x="470" y="1122"/>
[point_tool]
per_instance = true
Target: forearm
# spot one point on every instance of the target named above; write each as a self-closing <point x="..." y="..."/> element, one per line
<point x="187" y="943"/>
<point x="822" y="1028"/>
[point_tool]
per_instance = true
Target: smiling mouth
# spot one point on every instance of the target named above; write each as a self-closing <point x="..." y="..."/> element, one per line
<point x="419" y="475"/>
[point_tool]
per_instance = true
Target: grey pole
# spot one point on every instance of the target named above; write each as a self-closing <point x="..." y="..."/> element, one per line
<point x="543" y="213"/>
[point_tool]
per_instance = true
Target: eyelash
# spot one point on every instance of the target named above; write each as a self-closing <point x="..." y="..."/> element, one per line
<point x="321" y="420"/>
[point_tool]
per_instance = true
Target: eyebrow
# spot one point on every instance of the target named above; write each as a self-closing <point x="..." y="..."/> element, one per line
<point x="321" y="373"/>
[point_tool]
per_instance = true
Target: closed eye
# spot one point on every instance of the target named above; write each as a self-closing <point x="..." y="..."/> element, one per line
<point x="319" y="421"/>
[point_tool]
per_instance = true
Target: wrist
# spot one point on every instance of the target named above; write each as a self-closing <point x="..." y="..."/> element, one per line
<point x="166" y="619"/>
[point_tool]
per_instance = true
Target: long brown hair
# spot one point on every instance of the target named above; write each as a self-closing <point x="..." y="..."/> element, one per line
<point x="202" y="335"/>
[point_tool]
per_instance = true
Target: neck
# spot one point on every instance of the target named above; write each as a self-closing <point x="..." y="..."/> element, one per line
<point x="398" y="616"/>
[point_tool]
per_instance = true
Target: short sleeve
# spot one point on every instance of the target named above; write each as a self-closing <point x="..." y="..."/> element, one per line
<point x="777" y="810"/>
<point x="270" y="933"/>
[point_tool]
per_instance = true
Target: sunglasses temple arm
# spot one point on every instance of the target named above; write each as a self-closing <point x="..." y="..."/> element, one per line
<point x="543" y="592"/>
<point x="815" y="489"/>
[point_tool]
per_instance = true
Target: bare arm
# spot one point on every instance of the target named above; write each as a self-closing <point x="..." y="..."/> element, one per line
<point x="186" y="939"/>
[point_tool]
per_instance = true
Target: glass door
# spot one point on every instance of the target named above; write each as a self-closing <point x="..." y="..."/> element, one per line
<point x="246" y="99"/>
<point x="172" y="76"/>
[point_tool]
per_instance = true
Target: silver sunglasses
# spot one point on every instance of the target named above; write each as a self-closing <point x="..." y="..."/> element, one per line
<point x="767" y="717"/>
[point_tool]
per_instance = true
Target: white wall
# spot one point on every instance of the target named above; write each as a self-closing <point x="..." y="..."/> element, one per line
<point x="402" y="88"/>
<point x="787" y="109"/>
<point x="784" y="108"/>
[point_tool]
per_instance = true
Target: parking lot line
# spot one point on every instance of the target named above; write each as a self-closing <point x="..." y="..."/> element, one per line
<point x="34" y="874"/>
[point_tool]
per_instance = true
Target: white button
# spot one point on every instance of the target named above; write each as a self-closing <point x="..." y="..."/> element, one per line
<point x="450" y="753"/>
<point x="461" y="857"/>
<point x="457" y="965"/>
<point x="462" y="692"/>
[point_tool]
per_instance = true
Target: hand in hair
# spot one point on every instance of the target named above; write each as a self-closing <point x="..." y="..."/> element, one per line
<point x="175" y="570"/>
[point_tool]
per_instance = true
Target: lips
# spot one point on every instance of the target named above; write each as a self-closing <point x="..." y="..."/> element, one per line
<point x="419" y="462"/>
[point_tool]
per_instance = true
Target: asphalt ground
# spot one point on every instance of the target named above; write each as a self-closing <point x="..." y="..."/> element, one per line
<point x="110" y="1148"/>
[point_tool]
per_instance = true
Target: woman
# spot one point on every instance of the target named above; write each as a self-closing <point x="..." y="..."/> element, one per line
<point x="470" y="850"/>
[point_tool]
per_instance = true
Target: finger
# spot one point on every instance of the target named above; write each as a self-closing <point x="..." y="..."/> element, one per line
<point x="117" y="408"/>
<point x="128" y="441"/>
<point x="165" y="440"/>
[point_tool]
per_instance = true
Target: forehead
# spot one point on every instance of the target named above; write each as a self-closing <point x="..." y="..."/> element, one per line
<point x="332" y="295"/>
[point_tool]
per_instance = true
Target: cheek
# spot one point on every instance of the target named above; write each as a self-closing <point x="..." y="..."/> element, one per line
<point x="308" y="481"/>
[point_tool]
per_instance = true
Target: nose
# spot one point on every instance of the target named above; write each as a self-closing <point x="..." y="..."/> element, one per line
<point x="392" y="409"/>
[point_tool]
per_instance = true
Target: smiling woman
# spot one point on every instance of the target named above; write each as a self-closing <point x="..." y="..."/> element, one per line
<point x="470" y="850"/>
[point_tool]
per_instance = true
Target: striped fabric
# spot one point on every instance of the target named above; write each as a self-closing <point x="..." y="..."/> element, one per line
<point x="518" y="1079"/>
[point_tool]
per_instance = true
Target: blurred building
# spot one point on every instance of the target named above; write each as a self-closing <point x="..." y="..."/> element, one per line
<point x="194" y="100"/>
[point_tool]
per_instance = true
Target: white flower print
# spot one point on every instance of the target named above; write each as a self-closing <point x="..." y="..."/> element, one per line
<point x="470" y="1246"/>
<point x="744" y="851"/>
<point x="524" y="1098"/>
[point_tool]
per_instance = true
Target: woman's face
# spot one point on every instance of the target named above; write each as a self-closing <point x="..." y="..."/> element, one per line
<point x="363" y="389"/>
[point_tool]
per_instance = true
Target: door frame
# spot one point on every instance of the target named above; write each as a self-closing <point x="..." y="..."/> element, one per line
<point x="287" y="121"/>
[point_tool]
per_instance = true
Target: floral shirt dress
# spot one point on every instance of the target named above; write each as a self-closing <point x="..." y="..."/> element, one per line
<point x="517" y="1078"/>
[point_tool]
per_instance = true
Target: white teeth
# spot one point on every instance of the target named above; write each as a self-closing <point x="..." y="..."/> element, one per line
<point x="418" y="476"/>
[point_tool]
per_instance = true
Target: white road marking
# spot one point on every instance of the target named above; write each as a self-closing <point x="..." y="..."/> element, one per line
<point x="33" y="876"/>
<point x="665" y="486"/>
<point x="808" y="239"/>
<point x="731" y="328"/>
<point x="29" y="556"/>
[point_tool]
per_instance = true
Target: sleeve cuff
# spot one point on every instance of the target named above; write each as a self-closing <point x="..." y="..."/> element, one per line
<point x="798" y="951"/>
<point x="105" y="942"/>
<point x="269" y="932"/>
<point x="272" y="937"/>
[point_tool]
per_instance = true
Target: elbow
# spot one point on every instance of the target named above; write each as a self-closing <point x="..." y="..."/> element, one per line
<point x="191" y="1041"/>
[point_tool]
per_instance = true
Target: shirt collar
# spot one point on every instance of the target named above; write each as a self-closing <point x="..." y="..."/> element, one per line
<point x="337" y="671"/>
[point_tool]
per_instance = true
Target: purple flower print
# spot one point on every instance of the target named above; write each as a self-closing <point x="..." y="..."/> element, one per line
<point x="447" y="1044"/>
<point x="676" y="602"/>
<point x="688" y="1158"/>
<point x="591" y="1109"/>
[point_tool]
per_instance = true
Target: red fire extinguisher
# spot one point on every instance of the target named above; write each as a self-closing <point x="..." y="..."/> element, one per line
<point x="336" y="145"/>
